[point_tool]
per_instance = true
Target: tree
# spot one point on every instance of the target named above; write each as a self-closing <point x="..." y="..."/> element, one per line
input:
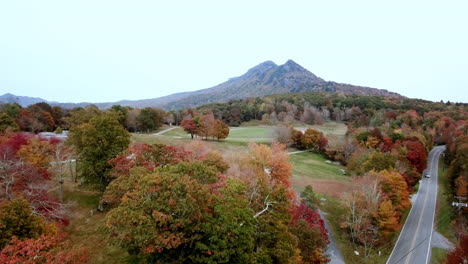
<point x="312" y="234"/>
<point x="394" y="186"/>
<point x="146" y="156"/>
<point x="131" y="122"/>
<point x="283" y="134"/>
<point x="21" y="179"/>
<point x="121" y="112"/>
<point x="221" y="130"/>
<point x="190" y="126"/>
<point x="80" y="115"/>
<point x="379" y="161"/>
<point x="150" y="118"/>
<point x="229" y="231"/>
<point x="161" y="216"/>
<point x="45" y="249"/>
<point x="97" y="142"/>
<point x="37" y="152"/>
<point x="417" y="154"/>
<point x="361" y="206"/>
<point x="460" y="254"/>
<point x="7" y="123"/>
<point x="206" y="125"/>
<point x="313" y="139"/>
<point x="309" y="197"/>
<point x="17" y="220"/>
<point x="388" y="219"/>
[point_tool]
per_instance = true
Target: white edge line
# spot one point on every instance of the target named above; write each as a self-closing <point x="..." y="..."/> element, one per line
<point x="399" y="236"/>
<point x="435" y="205"/>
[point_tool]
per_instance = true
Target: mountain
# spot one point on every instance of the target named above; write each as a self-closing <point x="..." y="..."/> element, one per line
<point x="264" y="79"/>
<point x="21" y="100"/>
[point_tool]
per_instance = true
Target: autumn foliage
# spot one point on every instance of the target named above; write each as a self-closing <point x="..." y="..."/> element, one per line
<point x="45" y="249"/>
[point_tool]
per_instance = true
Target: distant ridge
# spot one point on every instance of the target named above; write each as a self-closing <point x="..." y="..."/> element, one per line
<point x="267" y="78"/>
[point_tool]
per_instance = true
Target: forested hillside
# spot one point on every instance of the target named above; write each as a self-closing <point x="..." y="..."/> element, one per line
<point x="105" y="177"/>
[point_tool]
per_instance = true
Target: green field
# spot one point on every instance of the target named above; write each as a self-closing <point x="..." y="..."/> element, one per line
<point x="312" y="169"/>
<point x="313" y="165"/>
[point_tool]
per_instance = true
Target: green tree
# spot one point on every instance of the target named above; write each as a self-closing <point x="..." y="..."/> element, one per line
<point x="150" y="118"/>
<point x="228" y="232"/>
<point x="7" y="123"/>
<point x="97" y="142"/>
<point x="17" y="219"/>
<point x="310" y="198"/>
<point x="379" y="161"/>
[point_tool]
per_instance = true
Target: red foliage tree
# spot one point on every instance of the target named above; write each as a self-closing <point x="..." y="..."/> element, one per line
<point x="417" y="154"/>
<point x="312" y="217"/>
<point x="147" y="156"/>
<point x="20" y="179"/>
<point x="46" y="249"/>
<point x="387" y="144"/>
<point x="190" y="126"/>
<point x="460" y="254"/>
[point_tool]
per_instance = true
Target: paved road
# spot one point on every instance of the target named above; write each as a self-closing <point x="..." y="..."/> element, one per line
<point x="413" y="244"/>
<point x="332" y="250"/>
<point x="164" y="131"/>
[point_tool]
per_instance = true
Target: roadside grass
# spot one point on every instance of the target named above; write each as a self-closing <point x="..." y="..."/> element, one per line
<point x="438" y="256"/>
<point x="444" y="214"/>
<point x="444" y="210"/>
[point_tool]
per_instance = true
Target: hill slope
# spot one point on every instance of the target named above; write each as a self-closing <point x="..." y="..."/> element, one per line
<point x="267" y="78"/>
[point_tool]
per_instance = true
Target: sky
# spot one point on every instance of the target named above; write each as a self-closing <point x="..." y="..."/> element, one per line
<point x="105" y="51"/>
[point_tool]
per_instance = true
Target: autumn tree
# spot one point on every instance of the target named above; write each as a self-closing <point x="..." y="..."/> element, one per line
<point x="379" y="161"/>
<point x="313" y="139"/>
<point x="220" y="130"/>
<point x="417" y="154"/>
<point x="460" y="254"/>
<point x="169" y="210"/>
<point x="190" y="126"/>
<point x="96" y="143"/>
<point x="387" y="219"/>
<point x="37" y="152"/>
<point x="207" y="125"/>
<point x="22" y="179"/>
<point x="394" y="186"/>
<point x="361" y="206"/>
<point x="48" y="249"/>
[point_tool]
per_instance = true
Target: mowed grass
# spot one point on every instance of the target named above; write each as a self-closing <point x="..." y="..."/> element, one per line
<point x="251" y="132"/>
<point x="312" y="169"/>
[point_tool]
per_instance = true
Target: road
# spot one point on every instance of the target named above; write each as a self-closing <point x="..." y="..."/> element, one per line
<point x="164" y="131"/>
<point x="413" y="244"/>
<point x="332" y="250"/>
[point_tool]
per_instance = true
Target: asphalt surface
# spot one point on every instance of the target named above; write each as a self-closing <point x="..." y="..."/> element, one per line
<point x="332" y="250"/>
<point x="414" y="243"/>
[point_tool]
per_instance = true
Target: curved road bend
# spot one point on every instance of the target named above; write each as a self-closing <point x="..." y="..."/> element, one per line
<point x="413" y="244"/>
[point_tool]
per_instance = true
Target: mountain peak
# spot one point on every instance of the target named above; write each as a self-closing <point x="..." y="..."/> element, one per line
<point x="257" y="71"/>
<point x="292" y="66"/>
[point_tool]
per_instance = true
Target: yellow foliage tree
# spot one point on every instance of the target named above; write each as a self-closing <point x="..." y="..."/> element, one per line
<point x="37" y="152"/>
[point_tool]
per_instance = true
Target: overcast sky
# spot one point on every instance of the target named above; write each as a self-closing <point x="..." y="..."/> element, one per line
<point x="97" y="51"/>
